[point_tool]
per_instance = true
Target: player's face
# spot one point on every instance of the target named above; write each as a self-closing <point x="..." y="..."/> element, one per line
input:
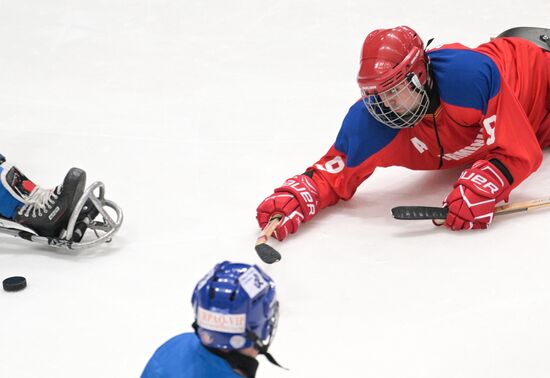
<point x="399" y="98"/>
<point x="399" y="107"/>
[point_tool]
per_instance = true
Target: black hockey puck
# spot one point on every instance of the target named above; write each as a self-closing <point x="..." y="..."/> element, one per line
<point x="14" y="283"/>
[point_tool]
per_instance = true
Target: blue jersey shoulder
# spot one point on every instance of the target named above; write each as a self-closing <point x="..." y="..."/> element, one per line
<point x="184" y="356"/>
<point x="361" y="136"/>
<point x="465" y="78"/>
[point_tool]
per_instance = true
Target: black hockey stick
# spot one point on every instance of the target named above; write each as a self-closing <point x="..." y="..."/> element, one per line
<point x="438" y="214"/>
<point x="267" y="253"/>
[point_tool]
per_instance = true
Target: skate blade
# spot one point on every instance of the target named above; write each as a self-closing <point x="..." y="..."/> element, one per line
<point x="10" y="225"/>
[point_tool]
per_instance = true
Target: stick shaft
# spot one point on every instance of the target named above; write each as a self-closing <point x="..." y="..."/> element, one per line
<point x="268" y="229"/>
<point x="267" y="253"/>
<point x="514" y="208"/>
<point x="522" y="206"/>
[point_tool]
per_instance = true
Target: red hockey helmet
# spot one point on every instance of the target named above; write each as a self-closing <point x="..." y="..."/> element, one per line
<point x="394" y="66"/>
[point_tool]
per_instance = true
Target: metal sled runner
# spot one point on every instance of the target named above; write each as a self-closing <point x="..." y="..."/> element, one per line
<point x="83" y="218"/>
<point x="538" y="36"/>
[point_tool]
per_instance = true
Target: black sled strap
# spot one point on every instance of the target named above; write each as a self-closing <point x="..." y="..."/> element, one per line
<point x="538" y="36"/>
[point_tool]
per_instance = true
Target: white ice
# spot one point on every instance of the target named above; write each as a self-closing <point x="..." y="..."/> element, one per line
<point x="192" y="112"/>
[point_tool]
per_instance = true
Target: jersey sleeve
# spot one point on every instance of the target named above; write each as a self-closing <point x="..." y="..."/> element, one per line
<point x="152" y="369"/>
<point x="516" y="112"/>
<point x="487" y="95"/>
<point x="358" y="150"/>
<point x="511" y="136"/>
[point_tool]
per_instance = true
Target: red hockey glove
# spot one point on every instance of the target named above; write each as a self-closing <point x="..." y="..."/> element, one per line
<point x="296" y="200"/>
<point x="472" y="202"/>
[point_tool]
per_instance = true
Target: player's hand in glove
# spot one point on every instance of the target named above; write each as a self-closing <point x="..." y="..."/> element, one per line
<point x="472" y="202"/>
<point x="296" y="201"/>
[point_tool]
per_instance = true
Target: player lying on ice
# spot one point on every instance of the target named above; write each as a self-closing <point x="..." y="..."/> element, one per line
<point x="486" y="107"/>
<point x="57" y="217"/>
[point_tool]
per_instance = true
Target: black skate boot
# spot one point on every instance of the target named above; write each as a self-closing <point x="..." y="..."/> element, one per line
<point x="47" y="211"/>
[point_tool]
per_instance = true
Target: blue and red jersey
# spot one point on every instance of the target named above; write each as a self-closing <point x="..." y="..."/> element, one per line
<point x="494" y="103"/>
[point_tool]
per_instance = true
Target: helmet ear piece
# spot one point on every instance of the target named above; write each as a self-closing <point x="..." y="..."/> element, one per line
<point x="415" y="82"/>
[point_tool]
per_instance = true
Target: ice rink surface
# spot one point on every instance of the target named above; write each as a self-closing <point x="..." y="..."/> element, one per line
<point x="192" y="112"/>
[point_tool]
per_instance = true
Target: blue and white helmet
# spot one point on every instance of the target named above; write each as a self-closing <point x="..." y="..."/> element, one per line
<point x="235" y="307"/>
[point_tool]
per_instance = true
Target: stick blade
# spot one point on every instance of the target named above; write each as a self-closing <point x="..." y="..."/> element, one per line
<point x="419" y="212"/>
<point x="267" y="253"/>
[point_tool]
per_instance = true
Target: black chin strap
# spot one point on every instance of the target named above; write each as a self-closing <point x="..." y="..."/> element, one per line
<point x="428" y="43"/>
<point x="271" y="359"/>
<point x="246" y="365"/>
<point x="262" y="349"/>
<point x="258" y="345"/>
<point x="435" y="101"/>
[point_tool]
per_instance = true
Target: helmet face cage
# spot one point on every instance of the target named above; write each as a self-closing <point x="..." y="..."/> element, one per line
<point x="399" y="107"/>
<point x="235" y="307"/>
